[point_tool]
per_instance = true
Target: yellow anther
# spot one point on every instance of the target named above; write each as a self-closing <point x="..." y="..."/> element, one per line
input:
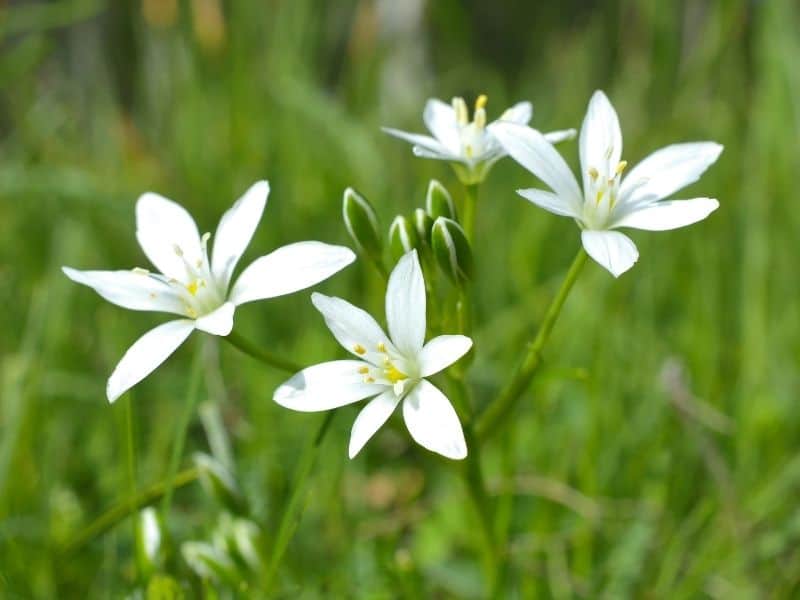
<point x="621" y="166"/>
<point x="599" y="196"/>
<point x="359" y="349"/>
<point x="468" y="151"/>
<point x="369" y="380"/>
<point x="381" y="347"/>
<point x="394" y="375"/>
<point x="192" y="287"/>
<point x="480" y="102"/>
<point x="190" y="312"/>
<point x="364" y="370"/>
<point x="593" y="173"/>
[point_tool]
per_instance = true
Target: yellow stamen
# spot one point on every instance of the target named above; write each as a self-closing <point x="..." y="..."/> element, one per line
<point x="369" y="380"/>
<point x="599" y="196"/>
<point x="480" y="102"/>
<point x="364" y="370"/>
<point x="394" y="375"/>
<point x="593" y="173"/>
<point x="621" y="166"/>
<point x="192" y="287"/>
<point x="359" y="349"/>
<point x="381" y="347"/>
<point x="468" y="151"/>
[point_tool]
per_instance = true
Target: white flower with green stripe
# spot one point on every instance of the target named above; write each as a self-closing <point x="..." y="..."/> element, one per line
<point x="196" y="287"/>
<point x="389" y="369"/>
<point x="608" y="201"/>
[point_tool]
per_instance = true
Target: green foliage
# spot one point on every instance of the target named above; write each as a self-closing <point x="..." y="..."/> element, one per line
<point x="654" y="456"/>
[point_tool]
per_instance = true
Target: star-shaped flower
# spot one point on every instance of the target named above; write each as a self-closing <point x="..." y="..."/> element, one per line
<point x="196" y="288"/>
<point x="390" y="369"/>
<point x="608" y="201"/>
<point x="469" y="145"/>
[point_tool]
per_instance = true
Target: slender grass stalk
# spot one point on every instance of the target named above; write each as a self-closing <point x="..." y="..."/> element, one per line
<point x="294" y="507"/>
<point x="488" y="422"/>
<point x="260" y="354"/>
<point x="128" y="506"/>
<point x="468" y="210"/>
<point x="183" y="427"/>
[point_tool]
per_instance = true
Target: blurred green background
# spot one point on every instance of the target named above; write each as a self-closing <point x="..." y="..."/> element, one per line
<point x="655" y="456"/>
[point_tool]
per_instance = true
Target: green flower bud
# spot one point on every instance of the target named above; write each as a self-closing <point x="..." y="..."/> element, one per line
<point x="452" y="250"/>
<point x="438" y="201"/>
<point x="219" y="483"/>
<point x="241" y="538"/>
<point x="422" y="224"/>
<point x="361" y="223"/>
<point x="149" y="541"/>
<point x="402" y="237"/>
<point x="209" y="562"/>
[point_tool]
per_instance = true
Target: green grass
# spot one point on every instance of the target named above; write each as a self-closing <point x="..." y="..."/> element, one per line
<point x="607" y="485"/>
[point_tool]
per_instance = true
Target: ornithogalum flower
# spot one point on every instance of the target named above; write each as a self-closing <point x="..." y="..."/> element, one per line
<point x="608" y="201"/>
<point x="390" y="369"/>
<point x="468" y="145"/>
<point x="199" y="289"/>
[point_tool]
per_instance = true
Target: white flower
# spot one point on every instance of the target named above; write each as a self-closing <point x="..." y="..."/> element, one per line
<point x="195" y="287"/>
<point x="470" y="146"/>
<point x="608" y="201"/>
<point x="389" y="369"/>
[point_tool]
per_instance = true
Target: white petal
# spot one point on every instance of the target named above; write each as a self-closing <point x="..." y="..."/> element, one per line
<point x="601" y="139"/>
<point x="290" y="269"/>
<point x="530" y="149"/>
<point x="135" y="290"/>
<point x="325" y="386"/>
<point x="432" y="421"/>
<point x="441" y="352"/>
<point x="353" y="328"/>
<point x="440" y="119"/>
<point x="667" y="170"/>
<point x="668" y="214"/>
<point x="405" y="305"/>
<point x="548" y="201"/>
<point x="425" y="142"/>
<point x="219" y="321"/>
<point x="560" y="135"/>
<point x="370" y="419"/>
<point x="165" y="230"/>
<point x="235" y="230"/>
<point x="437" y="155"/>
<point x="611" y="249"/>
<point x="147" y="353"/>
<point x="520" y="113"/>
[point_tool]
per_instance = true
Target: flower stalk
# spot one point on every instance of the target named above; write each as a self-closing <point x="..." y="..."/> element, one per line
<point x="491" y="419"/>
<point x="258" y="353"/>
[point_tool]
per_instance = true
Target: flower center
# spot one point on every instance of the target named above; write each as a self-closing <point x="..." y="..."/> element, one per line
<point x="472" y="134"/>
<point x="198" y="289"/>
<point x="601" y="195"/>
<point x="386" y="369"/>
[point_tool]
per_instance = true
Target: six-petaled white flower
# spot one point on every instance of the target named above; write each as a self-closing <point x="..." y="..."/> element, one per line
<point x="389" y="369"/>
<point x="608" y="201"/>
<point x="195" y="287"/>
<point x="468" y="145"/>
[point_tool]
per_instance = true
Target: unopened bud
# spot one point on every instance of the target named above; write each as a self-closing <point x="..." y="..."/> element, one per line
<point x="423" y="225"/>
<point x="402" y="237"/>
<point x="149" y="541"/>
<point x="452" y="250"/>
<point x="219" y="483"/>
<point x="361" y="223"/>
<point x="438" y="201"/>
<point x="209" y="562"/>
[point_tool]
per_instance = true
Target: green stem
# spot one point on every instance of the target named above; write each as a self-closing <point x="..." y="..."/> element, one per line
<point x="294" y="507"/>
<point x="260" y="354"/>
<point x="131" y="452"/>
<point x="468" y="210"/>
<point x="128" y="506"/>
<point x="498" y="410"/>
<point x="183" y="427"/>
